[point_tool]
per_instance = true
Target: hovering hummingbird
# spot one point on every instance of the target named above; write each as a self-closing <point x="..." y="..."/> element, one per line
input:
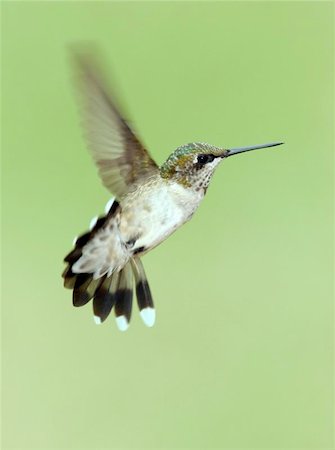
<point x="150" y="203"/>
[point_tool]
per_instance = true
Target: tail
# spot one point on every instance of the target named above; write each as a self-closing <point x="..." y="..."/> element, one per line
<point x="111" y="291"/>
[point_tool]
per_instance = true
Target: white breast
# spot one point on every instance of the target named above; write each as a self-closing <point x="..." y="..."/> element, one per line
<point x="152" y="215"/>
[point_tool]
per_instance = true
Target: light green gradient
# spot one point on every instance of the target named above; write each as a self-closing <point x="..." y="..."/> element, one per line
<point x="241" y="354"/>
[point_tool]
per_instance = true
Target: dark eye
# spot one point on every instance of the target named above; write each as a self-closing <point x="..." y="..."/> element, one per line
<point x="204" y="159"/>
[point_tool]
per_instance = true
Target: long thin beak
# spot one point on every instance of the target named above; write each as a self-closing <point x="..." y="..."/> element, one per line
<point x="235" y="151"/>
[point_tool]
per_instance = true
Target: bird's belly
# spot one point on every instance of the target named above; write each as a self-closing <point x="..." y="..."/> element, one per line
<point x="153" y="218"/>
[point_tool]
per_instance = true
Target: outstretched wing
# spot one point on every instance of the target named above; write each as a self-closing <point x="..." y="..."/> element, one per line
<point x="121" y="158"/>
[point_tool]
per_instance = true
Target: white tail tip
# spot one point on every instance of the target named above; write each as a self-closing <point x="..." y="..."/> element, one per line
<point x="97" y="320"/>
<point x="93" y="222"/>
<point x="109" y="205"/>
<point x="122" y="323"/>
<point x="148" y="316"/>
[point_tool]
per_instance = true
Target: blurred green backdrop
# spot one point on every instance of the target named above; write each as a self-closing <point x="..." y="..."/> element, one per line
<point x="241" y="354"/>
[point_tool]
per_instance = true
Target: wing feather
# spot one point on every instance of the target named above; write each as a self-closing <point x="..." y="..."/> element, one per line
<point x="121" y="158"/>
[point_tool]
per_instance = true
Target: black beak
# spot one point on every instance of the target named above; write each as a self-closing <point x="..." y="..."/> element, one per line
<point x="237" y="150"/>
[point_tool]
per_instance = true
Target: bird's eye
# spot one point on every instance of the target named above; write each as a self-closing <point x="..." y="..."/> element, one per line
<point x="204" y="159"/>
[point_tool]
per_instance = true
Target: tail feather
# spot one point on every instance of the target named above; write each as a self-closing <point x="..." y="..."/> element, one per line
<point x="104" y="299"/>
<point x="124" y="298"/>
<point x="74" y="254"/>
<point x="111" y="291"/>
<point x="69" y="278"/>
<point x="81" y="294"/>
<point x="143" y="293"/>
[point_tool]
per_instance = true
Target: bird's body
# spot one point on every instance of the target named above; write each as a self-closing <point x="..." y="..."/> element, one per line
<point x="146" y="216"/>
<point x="151" y="204"/>
<point x="154" y="210"/>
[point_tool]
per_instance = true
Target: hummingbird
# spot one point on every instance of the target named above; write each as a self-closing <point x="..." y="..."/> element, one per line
<point x="149" y="203"/>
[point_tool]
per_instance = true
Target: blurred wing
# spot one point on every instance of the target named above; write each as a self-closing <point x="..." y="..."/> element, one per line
<point x="121" y="158"/>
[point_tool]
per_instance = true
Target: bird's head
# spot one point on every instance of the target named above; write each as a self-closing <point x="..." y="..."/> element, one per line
<point x="193" y="165"/>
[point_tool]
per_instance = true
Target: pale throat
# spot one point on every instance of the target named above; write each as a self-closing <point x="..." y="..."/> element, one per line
<point x="197" y="179"/>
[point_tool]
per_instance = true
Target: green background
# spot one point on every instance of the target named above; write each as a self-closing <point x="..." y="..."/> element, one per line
<point x="241" y="353"/>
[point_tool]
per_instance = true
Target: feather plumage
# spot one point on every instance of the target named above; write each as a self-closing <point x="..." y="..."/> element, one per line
<point x="119" y="155"/>
<point x="104" y="298"/>
<point x="143" y="293"/>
